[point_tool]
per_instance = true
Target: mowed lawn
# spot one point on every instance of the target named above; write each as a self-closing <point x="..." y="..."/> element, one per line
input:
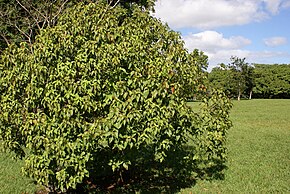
<point x="258" y="150"/>
<point x="11" y="179"/>
<point x="258" y="160"/>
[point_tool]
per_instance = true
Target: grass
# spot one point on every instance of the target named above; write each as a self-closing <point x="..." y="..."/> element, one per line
<point x="259" y="150"/>
<point x="258" y="160"/>
<point x="11" y="179"/>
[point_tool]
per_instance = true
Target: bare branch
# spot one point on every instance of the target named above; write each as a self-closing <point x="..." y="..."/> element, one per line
<point x="36" y="21"/>
<point x="39" y="12"/>
<point x="59" y="10"/>
<point x="22" y="32"/>
<point x="23" y="7"/>
<point x="114" y="4"/>
<point x="2" y="14"/>
<point x="6" y="40"/>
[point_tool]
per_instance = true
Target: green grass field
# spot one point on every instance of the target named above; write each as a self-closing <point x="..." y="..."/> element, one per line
<point x="258" y="160"/>
<point x="11" y="179"/>
<point x="259" y="150"/>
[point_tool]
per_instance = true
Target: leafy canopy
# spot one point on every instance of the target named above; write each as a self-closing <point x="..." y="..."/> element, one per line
<point x="22" y="20"/>
<point x="236" y="78"/>
<point x="95" y="98"/>
<point x="272" y="81"/>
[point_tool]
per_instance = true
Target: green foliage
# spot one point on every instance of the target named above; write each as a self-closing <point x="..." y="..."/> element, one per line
<point x="272" y="81"/>
<point x="236" y="78"/>
<point x="221" y="78"/>
<point x="260" y="80"/>
<point x="144" y="4"/>
<point x="94" y="99"/>
<point x="208" y="140"/>
<point x="22" y="20"/>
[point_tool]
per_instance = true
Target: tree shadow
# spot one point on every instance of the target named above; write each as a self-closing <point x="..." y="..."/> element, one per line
<point x="140" y="182"/>
<point x="170" y="176"/>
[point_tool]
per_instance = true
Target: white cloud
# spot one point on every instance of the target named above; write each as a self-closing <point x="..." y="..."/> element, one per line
<point x="285" y="4"/>
<point x="273" y="6"/>
<point x="223" y="56"/>
<point x="212" y="41"/>
<point x="275" y="41"/>
<point x="219" y="49"/>
<point x="266" y="57"/>
<point x="209" y="14"/>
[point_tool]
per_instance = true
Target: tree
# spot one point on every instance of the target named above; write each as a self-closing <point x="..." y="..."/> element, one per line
<point x="235" y="78"/>
<point x="94" y="100"/>
<point x="250" y="80"/>
<point x="221" y="77"/>
<point x="237" y="68"/>
<point x="22" y="20"/>
<point x="272" y="81"/>
<point x="200" y="64"/>
<point x="144" y="4"/>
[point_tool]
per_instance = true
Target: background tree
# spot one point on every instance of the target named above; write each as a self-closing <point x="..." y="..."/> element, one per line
<point x="237" y="68"/>
<point x="272" y="81"/>
<point x="236" y="78"/>
<point x="250" y="80"/>
<point x="21" y="20"/>
<point x="93" y="101"/>
<point x="220" y="77"/>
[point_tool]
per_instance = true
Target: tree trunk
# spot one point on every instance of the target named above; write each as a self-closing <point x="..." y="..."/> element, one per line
<point x="250" y="97"/>
<point x="239" y="96"/>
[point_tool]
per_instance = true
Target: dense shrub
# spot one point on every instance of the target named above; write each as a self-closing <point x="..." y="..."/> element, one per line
<point x="104" y="93"/>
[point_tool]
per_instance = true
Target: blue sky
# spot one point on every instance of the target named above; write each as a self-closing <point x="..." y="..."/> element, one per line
<point x="258" y="30"/>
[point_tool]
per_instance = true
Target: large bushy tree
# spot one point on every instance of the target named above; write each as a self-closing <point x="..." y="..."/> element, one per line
<point x="92" y="97"/>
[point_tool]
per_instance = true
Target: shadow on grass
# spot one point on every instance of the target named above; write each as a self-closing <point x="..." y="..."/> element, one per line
<point x="169" y="177"/>
<point x="137" y="182"/>
<point x="146" y="175"/>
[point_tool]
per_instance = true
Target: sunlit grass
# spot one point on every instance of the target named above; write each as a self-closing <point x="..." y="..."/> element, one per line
<point x="11" y="179"/>
<point x="259" y="150"/>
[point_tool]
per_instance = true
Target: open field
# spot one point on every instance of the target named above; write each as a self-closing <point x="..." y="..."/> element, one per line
<point x="258" y="161"/>
<point x="259" y="150"/>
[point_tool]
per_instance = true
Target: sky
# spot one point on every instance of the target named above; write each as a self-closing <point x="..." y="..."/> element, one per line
<point x="258" y="30"/>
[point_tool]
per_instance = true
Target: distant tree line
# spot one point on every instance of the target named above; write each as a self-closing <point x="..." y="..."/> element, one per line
<point x="272" y="81"/>
<point x="240" y="79"/>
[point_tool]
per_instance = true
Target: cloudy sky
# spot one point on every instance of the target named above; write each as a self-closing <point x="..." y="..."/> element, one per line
<point x="256" y="29"/>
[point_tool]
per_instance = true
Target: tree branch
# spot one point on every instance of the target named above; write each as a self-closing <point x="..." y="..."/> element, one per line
<point x="6" y="40"/>
<point x="23" y="7"/>
<point x="38" y="12"/>
<point x="36" y="21"/>
<point x="59" y="11"/>
<point x="22" y="32"/>
<point x="115" y="4"/>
